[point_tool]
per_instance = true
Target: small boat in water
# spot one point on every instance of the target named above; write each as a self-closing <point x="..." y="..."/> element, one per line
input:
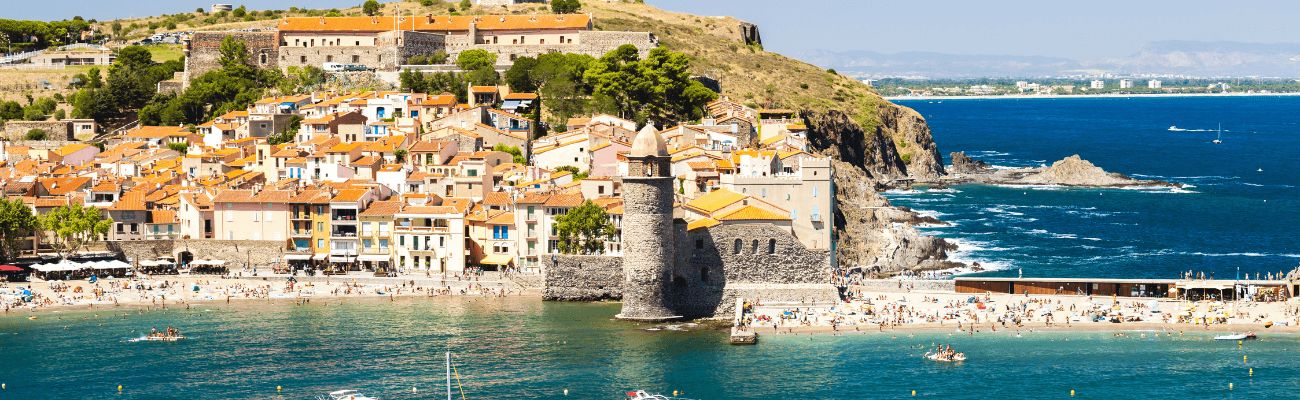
<point x="643" y="395"/>
<point x="933" y="356"/>
<point x="1237" y="336"/>
<point x="346" y="395"/>
<point x="168" y="335"/>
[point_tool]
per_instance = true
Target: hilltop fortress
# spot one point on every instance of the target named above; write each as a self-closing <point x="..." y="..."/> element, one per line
<point x="387" y="42"/>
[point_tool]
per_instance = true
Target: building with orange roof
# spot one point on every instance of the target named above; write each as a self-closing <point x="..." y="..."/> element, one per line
<point x="251" y="214"/>
<point x="74" y="154"/>
<point x="159" y="135"/>
<point x="430" y="239"/>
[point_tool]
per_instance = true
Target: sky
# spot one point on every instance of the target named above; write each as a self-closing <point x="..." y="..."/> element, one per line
<point x="1072" y="29"/>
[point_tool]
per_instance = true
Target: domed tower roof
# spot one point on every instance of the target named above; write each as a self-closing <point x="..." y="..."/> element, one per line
<point x="648" y="142"/>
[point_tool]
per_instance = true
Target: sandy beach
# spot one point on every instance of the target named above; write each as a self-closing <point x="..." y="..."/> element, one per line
<point x="959" y="313"/>
<point x="182" y="290"/>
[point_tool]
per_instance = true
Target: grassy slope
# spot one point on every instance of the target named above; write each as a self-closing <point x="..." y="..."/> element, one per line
<point x="748" y="74"/>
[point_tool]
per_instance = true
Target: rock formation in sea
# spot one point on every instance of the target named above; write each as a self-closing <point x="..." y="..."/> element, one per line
<point x="1069" y="171"/>
<point x="872" y="235"/>
<point x="963" y="164"/>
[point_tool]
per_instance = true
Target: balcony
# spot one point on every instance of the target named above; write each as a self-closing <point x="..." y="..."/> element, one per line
<point x="302" y="233"/>
<point x="300" y="216"/>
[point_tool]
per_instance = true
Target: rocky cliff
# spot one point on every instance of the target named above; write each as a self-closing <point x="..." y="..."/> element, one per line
<point x="871" y="235"/>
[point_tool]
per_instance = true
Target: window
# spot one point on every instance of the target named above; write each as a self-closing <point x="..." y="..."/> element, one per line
<point x="814" y="191"/>
<point x="356" y="58"/>
<point x="771" y="246"/>
<point x="302" y="59"/>
<point x="329" y="58"/>
<point x="383" y="244"/>
<point x="261" y="58"/>
<point x="320" y="243"/>
<point x="739" y="246"/>
<point x="320" y="227"/>
<point x="754" y="247"/>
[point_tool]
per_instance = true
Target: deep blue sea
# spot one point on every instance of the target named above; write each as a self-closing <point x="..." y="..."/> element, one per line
<point x="527" y="349"/>
<point x="1241" y="208"/>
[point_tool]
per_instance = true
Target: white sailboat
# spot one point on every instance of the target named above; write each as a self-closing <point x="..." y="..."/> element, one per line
<point x="1218" y="137"/>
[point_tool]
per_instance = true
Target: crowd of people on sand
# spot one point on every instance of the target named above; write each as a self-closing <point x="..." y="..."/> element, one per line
<point x="988" y="312"/>
<point x="172" y="290"/>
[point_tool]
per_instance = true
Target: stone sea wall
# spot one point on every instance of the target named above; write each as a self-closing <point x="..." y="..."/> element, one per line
<point x="582" y="278"/>
<point x="234" y="252"/>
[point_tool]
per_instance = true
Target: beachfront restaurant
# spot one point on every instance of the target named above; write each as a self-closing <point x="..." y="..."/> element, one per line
<point x="1160" y="288"/>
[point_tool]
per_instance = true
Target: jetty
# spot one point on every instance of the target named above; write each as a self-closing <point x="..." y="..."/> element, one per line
<point x="741" y="334"/>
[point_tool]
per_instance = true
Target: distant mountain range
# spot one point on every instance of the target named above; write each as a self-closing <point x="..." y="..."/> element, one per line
<point x="1186" y="58"/>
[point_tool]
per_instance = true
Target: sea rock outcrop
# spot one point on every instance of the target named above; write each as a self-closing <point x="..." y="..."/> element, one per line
<point x="1075" y="171"/>
<point x="963" y="164"/>
<point x="1069" y="171"/>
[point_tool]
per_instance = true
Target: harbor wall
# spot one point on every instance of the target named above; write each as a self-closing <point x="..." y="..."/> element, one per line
<point x="709" y="272"/>
<point x="234" y="252"/>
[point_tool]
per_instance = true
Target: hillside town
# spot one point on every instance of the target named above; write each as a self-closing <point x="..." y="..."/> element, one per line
<point x="402" y="183"/>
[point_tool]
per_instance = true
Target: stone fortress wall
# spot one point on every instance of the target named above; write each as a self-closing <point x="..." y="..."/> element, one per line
<point x="203" y="50"/>
<point x="234" y="252"/>
<point x="708" y="274"/>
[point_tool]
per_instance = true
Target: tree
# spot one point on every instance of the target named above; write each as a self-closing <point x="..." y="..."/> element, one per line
<point x="520" y="75"/>
<point x="476" y="58"/>
<point x="411" y="81"/>
<point x="72" y="226"/>
<point x="239" y="12"/>
<point x="179" y="147"/>
<point x="465" y="5"/>
<point x="658" y="88"/>
<point x="584" y="229"/>
<point x="565" y="6"/>
<point x="60" y="115"/>
<point x="370" y="7"/>
<point x="16" y="223"/>
<point x="517" y="156"/>
<point x="400" y="155"/>
<point x="36" y="134"/>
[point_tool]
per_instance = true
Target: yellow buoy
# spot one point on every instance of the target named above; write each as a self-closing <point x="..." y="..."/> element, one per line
<point x="1071" y="392"/>
<point x="413" y="390"/>
<point x="1229" y="385"/>
<point x="278" y="388"/>
<point x="913" y="392"/>
<point x="566" y="391"/>
<point x="2" y="386"/>
<point x="674" y="393"/>
<point x="1252" y="372"/>
<point x="1243" y="358"/>
<point x="119" y="388"/>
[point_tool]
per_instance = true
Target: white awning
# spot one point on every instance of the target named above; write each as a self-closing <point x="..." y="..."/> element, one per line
<point x="374" y="257"/>
<point x="297" y="256"/>
<point x="320" y="256"/>
<point x="342" y="258"/>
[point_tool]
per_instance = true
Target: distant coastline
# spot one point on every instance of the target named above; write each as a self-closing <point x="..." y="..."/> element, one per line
<point x="1107" y="95"/>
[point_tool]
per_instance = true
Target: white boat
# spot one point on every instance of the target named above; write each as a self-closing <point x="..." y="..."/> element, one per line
<point x="1218" y="137"/>
<point x="1236" y="336"/>
<point x="643" y="395"/>
<point x="163" y="338"/>
<point x="1175" y="128"/>
<point x="936" y="357"/>
<point x="346" y="395"/>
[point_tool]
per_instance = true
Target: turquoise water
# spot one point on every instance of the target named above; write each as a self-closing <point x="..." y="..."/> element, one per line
<point x="1240" y="211"/>
<point x="517" y="348"/>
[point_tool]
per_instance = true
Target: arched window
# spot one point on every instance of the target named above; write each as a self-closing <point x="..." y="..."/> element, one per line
<point x="754" y="247"/>
<point x="771" y="246"/>
<point x="739" y="245"/>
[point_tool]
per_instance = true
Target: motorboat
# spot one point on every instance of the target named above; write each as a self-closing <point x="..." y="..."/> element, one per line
<point x="164" y="338"/>
<point x="643" y="395"/>
<point x="934" y="356"/>
<point x="1237" y="336"/>
<point x="347" y="394"/>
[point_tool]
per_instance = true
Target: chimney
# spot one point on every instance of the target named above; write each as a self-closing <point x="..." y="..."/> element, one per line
<point x="429" y="18"/>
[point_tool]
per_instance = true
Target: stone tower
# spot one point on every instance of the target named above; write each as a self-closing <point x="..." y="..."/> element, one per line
<point x="647" y="229"/>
